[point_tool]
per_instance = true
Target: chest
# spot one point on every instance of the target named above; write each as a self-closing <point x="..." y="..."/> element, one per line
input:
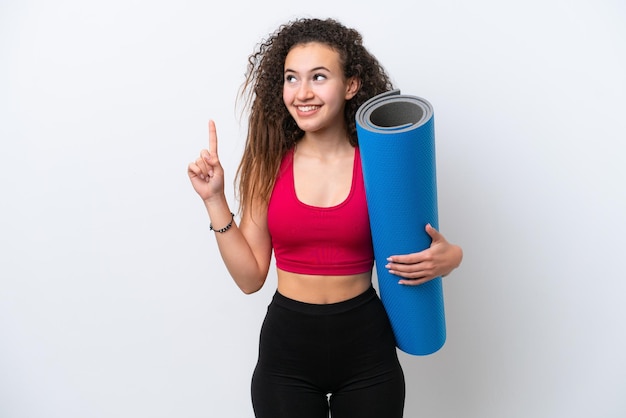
<point x="323" y="183"/>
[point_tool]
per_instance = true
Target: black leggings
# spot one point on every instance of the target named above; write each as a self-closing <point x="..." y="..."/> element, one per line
<point x="339" y="357"/>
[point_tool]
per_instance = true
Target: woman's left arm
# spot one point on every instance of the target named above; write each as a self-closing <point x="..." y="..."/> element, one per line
<point x="438" y="260"/>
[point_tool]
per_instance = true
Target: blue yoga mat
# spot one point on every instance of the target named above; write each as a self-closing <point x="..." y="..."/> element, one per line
<point x="397" y="145"/>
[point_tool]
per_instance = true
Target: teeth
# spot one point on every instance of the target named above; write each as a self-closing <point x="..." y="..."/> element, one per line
<point x="307" y="108"/>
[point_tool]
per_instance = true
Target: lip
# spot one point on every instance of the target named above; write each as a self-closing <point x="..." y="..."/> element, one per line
<point x="306" y="110"/>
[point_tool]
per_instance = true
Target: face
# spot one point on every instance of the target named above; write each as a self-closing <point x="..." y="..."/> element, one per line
<point x="315" y="89"/>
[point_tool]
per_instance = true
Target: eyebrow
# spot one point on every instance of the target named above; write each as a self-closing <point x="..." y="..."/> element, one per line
<point x="289" y="70"/>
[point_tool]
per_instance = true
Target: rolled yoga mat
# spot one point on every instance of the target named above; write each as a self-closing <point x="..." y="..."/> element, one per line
<point x="397" y="145"/>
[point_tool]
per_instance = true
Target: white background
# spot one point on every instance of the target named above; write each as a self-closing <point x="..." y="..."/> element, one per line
<point x="114" y="301"/>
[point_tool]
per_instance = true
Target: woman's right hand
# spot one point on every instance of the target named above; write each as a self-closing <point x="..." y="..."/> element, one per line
<point x="206" y="172"/>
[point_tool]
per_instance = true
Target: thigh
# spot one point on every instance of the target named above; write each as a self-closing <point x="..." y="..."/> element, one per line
<point x="380" y="397"/>
<point x="371" y="381"/>
<point x="287" y="380"/>
<point x="276" y="396"/>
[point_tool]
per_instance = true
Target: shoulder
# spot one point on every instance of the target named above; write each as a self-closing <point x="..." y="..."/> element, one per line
<point x="286" y="161"/>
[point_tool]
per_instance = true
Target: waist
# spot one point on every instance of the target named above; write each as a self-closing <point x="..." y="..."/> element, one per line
<point x="322" y="289"/>
<point x="325" y="308"/>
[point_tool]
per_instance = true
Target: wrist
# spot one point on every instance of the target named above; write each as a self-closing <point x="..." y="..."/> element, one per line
<point x="217" y="201"/>
<point x="221" y="218"/>
<point x="458" y="255"/>
<point x="225" y="228"/>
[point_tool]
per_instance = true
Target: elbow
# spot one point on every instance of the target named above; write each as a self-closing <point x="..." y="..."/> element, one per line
<point x="249" y="287"/>
<point x="247" y="290"/>
<point x="249" y="280"/>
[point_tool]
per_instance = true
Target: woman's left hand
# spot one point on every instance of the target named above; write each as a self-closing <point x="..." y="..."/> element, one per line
<point x="437" y="260"/>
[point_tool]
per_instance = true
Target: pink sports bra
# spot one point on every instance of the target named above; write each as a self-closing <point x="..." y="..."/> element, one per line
<point x="315" y="240"/>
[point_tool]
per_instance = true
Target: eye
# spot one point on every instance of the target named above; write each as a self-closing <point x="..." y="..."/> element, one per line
<point x="319" y="77"/>
<point x="289" y="78"/>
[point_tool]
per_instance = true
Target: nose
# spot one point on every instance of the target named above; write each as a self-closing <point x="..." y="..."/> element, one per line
<point x="305" y="91"/>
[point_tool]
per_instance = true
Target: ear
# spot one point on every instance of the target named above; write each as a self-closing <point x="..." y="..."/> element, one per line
<point x="353" y="85"/>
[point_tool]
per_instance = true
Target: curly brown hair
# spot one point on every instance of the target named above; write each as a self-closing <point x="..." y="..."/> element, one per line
<point x="271" y="129"/>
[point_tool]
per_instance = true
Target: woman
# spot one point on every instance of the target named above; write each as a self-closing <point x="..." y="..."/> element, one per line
<point x="326" y="342"/>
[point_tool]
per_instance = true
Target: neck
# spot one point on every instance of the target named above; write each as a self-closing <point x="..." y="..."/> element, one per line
<point x="326" y="143"/>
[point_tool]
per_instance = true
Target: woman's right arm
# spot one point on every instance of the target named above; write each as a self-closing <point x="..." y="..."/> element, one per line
<point x="246" y="248"/>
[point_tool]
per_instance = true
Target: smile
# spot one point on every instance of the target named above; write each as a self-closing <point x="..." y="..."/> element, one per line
<point x="307" y="108"/>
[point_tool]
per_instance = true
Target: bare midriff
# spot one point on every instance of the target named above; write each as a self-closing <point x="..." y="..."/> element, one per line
<point x="322" y="289"/>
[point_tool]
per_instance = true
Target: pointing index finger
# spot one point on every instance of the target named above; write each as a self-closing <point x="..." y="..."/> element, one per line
<point x="212" y="138"/>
